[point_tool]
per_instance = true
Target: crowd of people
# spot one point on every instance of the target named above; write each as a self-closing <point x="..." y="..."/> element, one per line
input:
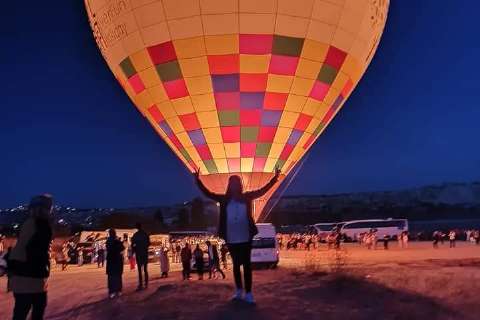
<point x="29" y="261"/>
<point x="371" y="239"/>
<point x="203" y="254"/>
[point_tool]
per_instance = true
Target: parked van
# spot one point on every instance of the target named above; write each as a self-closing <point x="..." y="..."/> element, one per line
<point x="265" y="249"/>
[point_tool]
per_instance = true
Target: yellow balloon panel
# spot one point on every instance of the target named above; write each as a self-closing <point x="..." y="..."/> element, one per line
<point x="238" y="86"/>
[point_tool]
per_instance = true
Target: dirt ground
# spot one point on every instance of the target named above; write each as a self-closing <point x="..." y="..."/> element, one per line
<point x="354" y="283"/>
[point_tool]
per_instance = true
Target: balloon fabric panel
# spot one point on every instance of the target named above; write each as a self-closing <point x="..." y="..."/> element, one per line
<point x="238" y="86"/>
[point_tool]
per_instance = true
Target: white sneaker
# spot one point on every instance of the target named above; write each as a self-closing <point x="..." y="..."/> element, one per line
<point x="249" y="298"/>
<point x="112" y="296"/>
<point x="238" y="294"/>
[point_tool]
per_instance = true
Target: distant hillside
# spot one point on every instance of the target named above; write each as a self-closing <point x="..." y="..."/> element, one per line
<point x="445" y="201"/>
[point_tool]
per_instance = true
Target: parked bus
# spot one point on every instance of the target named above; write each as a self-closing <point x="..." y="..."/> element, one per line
<point x="265" y="249"/>
<point x="385" y="227"/>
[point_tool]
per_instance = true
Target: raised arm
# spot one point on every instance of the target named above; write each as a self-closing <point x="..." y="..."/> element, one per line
<point x="260" y="192"/>
<point x="214" y="196"/>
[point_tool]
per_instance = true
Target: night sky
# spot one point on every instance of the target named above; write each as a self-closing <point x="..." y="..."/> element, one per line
<point x="68" y="128"/>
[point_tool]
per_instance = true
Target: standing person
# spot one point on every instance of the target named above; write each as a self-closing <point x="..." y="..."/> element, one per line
<point x="115" y="250"/>
<point x="405" y="239"/>
<point x="80" y="257"/>
<point x="237" y="227"/>
<point x="468" y="234"/>
<point x="386" y="238"/>
<point x="374" y="239"/>
<point x="198" y="254"/>
<point x="223" y="254"/>
<point x="6" y="257"/>
<point x="186" y="257"/>
<point x="2" y="244"/>
<point x="178" y="249"/>
<point x="451" y="236"/>
<point x="100" y="256"/>
<point x="164" y="263"/>
<point x="210" y="258"/>
<point x="338" y="238"/>
<point x="476" y="236"/>
<point x="126" y="245"/>
<point x="29" y="260"/>
<point x="131" y="258"/>
<point x="436" y="238"/>
<point x="140" y="244"/>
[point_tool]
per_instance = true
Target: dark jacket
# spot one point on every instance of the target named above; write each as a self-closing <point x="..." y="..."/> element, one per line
<point x="37" y="264"/>
<point x="114" y="256"/>
<point x="247" y="198"/>
<point x="140" y="244"/>
<point x="186" y="254"/>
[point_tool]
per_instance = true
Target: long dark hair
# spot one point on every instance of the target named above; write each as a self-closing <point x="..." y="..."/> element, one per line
<point x="234" y="182"/>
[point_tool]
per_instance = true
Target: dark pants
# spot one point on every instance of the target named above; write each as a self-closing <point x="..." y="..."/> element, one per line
<point x="114" y="283"/>
<point x="142" y="270"/>
<point x="199" y="266"/>
<point x="452" y="243"/>
<point x="100" y="261"/>
<point x="240" y="253"/>
<point x="186" y="269"/>
<point x="26" y="301"/>
<point x="214" y="266"/>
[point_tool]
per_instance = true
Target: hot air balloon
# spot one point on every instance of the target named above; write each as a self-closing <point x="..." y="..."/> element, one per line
<point x="238" y="86"/>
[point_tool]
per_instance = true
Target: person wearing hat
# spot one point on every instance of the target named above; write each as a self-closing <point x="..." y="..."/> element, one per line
<point x="29" y="261"/>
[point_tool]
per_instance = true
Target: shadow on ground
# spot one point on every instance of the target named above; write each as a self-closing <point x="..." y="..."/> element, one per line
<point x="285" y="296"/>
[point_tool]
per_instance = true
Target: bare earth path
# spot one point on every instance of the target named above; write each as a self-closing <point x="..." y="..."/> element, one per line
<point x="414" y="283"/>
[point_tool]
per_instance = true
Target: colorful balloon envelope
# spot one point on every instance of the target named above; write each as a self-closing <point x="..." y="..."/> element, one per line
<point x="238" y="86"/>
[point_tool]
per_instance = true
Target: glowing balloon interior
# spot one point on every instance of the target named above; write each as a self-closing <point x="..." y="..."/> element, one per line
<point x="238" y="86"/>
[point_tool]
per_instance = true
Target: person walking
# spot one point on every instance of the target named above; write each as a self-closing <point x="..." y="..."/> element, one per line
<point x="198" y="255"/>
<point x="29" y="261"/>
<point x="115" y="249"/>
<point x="140" y="244"/>
<point x="451" y="236"/>
<point x="61" y="258"/>
<point x="164" y="263"/>
<point x="237" y="227"/>
<point x="223" y="255"/>
<point x="186" y="257"/>
<point x="215" y="262"/>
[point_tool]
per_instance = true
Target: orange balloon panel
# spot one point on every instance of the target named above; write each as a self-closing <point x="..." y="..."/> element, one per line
<point x="238" y="86"/>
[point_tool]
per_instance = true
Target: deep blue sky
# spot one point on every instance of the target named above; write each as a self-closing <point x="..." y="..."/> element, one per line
<point x="67" y="128"/>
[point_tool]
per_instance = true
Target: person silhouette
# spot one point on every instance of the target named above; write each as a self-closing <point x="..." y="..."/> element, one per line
<point x="237" y="227"/>
<point x="29" y="260"/>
